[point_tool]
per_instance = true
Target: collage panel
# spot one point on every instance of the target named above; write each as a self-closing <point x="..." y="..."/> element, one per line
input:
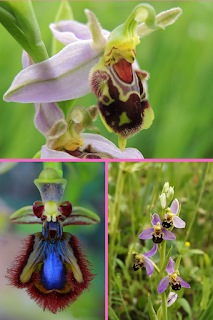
<point x="88" y="82"/>
<point x="52" y="240"/>
<point x="160" y="240"/>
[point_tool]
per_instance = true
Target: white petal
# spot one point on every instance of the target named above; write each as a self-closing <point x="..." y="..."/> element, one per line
<point x="47" y="153"/>
<point x="101" y="144"/>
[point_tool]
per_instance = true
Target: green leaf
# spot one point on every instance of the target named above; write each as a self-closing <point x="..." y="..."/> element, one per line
<point x="152" y="312"/>
<point x="186" y="306"/>
<point x="177" y="263"/>
<point x="166" y="261"/>
<point x="179" y="316"/>
<point x="112" y="315"/>
<point x="19" y="19"/>
<point x="206" y="293"/>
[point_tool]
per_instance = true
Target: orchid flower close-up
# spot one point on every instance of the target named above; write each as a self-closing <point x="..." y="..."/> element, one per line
<point x="157" y="233"/>
<point x="142" y="260"/>
<point x="52" y="265"/>
<point x="172" y="279"/>
<point x="96" y="60"/>
<point x="171" y="217"/>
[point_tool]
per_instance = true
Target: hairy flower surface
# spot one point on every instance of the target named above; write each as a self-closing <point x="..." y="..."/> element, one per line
<point x="157" y="233"/>
<point x="52" y="266"/>
<point x="172" y="279"/>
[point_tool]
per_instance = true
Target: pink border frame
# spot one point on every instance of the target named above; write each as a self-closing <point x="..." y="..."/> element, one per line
<point x="106" y="195"/>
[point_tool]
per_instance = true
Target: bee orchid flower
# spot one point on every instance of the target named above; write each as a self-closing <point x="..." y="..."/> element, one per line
<point x="99" y="62"/>
<point x="52" y="265"/>
<point x="172" y="279"/>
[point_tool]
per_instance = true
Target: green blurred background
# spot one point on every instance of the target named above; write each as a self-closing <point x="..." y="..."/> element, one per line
<point x="180" y="64"/>
<point x="85" y="187"/>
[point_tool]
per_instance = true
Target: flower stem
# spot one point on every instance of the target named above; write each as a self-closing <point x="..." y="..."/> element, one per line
<point x="163" y="295"/>
<point x="54" y="165"/>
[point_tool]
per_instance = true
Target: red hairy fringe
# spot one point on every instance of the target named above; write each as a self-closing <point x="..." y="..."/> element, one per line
<point x="53" y="301"/>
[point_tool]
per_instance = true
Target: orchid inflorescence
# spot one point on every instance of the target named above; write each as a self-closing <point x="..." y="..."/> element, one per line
<point x="161" y="230"/>
<point x="93" y="59"/>
<point x="52" y="265"/>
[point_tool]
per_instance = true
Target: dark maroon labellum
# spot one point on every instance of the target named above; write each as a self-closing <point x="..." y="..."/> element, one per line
<point x="38" y="208"/>
<point x="157" y="239"/>
<point x="65" y="208"/>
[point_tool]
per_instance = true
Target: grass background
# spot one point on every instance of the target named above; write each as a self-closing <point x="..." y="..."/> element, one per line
<point x="133" y="193"/>
<point x="85" y="187"/>
<point x="180" y="64"/>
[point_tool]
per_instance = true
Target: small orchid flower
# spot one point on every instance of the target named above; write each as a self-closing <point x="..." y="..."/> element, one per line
<point x="171" y="299"/>
<point x="171" y="217"/>
<point x="52" y="265"/>
<point x="157" y="233"/>
<point x="172" y="279"/>
<point x="65" y="76"/>
<point x="142" y="260"/>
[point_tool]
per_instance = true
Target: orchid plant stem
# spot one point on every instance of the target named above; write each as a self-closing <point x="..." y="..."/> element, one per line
<point x="54" y="165"/>
<point x="163" y="295"/>
<point x="198" y="202"/>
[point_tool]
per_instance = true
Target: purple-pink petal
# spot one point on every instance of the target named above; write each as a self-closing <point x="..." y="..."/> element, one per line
<point x="68" y="31"/>
<point x="163" y="284"/>
<point x="172" y="298"/>
<point x="168" y="235"/>
<point x="62" y="77"/>
<point x="178" y="222"/>
<point x="46" y="115"/>
<point x="156" y="219"/>
<point x="171" y="266"/>
<point x="174" y="206"/>
<point x="146" y="234"/>
<point x="183" y="283"/>
<point x="149" y="266"/>
<point x="152" y="252"/>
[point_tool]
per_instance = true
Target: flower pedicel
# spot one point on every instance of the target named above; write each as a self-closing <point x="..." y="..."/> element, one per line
<point x="52" y="265"/>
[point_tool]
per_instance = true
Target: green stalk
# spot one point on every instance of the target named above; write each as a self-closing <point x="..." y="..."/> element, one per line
<point x="198" y="202"/>
<point x="163" y="294"/>
<point x="131" y="209"/>
<point x="54" y="165"/>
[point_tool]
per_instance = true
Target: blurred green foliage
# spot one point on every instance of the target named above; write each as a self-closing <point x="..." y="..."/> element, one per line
<point x="180" y="64"/>
<point x="133" y="195"/>
<point x="85" y="188"/>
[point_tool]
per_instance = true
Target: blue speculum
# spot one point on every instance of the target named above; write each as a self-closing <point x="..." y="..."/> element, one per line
<point x="53" y="275"/>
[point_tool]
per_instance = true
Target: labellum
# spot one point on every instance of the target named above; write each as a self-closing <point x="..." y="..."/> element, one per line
<point x="52" y="266"/>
